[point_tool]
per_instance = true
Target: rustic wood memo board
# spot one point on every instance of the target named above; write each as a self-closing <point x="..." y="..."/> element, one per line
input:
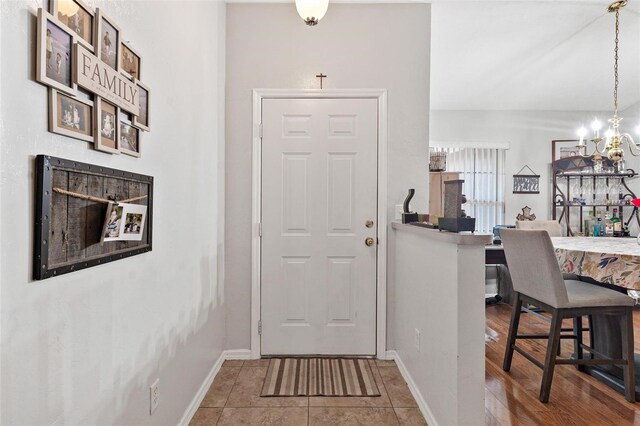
<point x="68" y="228"/>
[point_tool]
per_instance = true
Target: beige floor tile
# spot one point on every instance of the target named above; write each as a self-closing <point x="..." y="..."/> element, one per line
<point x="410" y="417"/>
<point x="350" y="416"/>
<point x="246" y="392"/>
<point x="233" y="363"/>
<point x="256" y="363"/>
<point x="385" y="363"/>
<point x="206" y="417"/>
<point x="397" y="388"/>
<point x="276" y="416"/>
<point x="353" y="401"/>
<point x="221" y="387"/>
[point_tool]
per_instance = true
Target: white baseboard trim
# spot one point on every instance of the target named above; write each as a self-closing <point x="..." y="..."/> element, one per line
<point x="417" y="395"/>
<point x="202" y="392"/>
<point x="237" y="354"/>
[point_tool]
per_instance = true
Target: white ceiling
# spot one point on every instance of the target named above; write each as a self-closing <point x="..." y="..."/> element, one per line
<point x="527" y="54"/>
<point x="532" y="55"/>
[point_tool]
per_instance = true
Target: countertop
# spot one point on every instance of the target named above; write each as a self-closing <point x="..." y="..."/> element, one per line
<point x="463" y="239"/>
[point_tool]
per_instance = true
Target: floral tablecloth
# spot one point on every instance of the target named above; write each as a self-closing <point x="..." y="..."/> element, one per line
<point x="613" y="261"/>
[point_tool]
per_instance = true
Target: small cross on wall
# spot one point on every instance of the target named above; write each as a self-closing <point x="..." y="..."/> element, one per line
<point x="321" y="76"/>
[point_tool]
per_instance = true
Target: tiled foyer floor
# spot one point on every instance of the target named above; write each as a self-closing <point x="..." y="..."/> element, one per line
<point x="234" y="399"/>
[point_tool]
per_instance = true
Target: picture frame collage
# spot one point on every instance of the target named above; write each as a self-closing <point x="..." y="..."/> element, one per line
<point x="74" y="111"/>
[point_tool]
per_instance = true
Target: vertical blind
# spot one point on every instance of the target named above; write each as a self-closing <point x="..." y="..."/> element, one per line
<point x="483" y="172"/>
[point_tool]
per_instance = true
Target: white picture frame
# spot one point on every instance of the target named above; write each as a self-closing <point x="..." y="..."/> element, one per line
<point x="125" y="51"/>
<point x="103" y="128"/>
<point x="129" y="135"/>
<point x="54" y="54"/>
<point x="141" y="121"/>
<point x="102" y="50"/>
<point x="55" y="8"/>
<point x="69" y="115"/>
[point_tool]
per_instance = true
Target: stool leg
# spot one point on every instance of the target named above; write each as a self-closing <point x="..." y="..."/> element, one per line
<point x="550" y="358"/>
<point x="513" y="331"/>
<point x="628" y="354"/>
<point x="577" y="351"/>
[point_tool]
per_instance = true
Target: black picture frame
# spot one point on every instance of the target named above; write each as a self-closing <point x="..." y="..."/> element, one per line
<point x="45" y="168"/>
<point x="526" y="184"/>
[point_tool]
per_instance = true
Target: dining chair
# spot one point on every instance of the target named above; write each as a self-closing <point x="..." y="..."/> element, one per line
<point x="551" y="226"/>
<point x="537" y="280"/>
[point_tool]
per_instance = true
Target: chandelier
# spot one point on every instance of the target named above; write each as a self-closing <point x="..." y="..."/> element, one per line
<point x="613" y="139"/>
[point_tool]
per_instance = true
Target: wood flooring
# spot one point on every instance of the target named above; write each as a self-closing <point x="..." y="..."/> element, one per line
<point x="576" y="398"/>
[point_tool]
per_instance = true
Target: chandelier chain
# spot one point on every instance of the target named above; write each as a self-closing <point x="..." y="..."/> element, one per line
<point x="615" y="65"/>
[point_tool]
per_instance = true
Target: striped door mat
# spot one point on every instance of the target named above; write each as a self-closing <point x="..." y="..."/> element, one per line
<point x="319" y="377"/>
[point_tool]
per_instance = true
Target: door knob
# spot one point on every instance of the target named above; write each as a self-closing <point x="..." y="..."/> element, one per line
<point x="369" y="223"/>
<point x="369" y="241"/>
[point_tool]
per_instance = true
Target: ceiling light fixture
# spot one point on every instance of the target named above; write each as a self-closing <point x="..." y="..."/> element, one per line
<point x="613" y="139"/>
<point x="312" y="11"/>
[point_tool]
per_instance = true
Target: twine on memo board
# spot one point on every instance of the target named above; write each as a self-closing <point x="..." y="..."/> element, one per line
<point x="96" y="199"/>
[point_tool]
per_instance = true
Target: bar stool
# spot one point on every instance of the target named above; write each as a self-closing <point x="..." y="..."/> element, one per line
<point x="551" y="226"/>
<point x="537" y="280"/>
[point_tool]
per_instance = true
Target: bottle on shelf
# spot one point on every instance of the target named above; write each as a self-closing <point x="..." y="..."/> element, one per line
<point x="589" y="224"/>
<point x="597" y="228"/>
<point x="608" y="225"/>
<point x="616" y="224"/>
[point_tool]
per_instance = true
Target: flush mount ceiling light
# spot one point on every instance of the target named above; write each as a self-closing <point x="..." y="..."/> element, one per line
<point x="613" y="140"/>
<point x="312" y="11"/>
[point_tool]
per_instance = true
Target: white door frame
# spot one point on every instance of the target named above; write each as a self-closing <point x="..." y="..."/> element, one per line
<point x="256" y="206"/>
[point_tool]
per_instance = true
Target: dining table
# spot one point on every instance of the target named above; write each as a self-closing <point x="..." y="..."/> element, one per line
<point x="609" y="262"/>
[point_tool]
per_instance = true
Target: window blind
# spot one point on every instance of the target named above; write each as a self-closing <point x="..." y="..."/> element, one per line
<point x="484" y="181"/>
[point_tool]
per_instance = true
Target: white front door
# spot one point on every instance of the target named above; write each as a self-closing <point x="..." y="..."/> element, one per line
<point x="319" y="205"/>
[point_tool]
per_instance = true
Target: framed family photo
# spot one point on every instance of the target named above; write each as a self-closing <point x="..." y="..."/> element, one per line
<point x="78" y="17"/>
<point x="54" y="54"/>
<point x="565" y="148"/>
<point x="129" y="137"/>
<point x="129" y="61"/>
<point x="107" y="41"/>
<point x="106" y="126"/>
<point x="141" y="121"/>
<point x="70" y="116"/>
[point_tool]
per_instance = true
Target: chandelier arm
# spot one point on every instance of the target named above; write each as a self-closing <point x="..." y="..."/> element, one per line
<point x="596" y="150"/>
<point x="633" y="147"/>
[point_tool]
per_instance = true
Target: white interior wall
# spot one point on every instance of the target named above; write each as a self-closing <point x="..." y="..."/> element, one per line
<point x="357" y="46"/>
<point x="83" y="348"/>
<point x="529" y="134"/>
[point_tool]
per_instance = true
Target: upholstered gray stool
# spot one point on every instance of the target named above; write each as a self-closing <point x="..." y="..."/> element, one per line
<point x="537" y="280"/>
<point x="551" y="226"/>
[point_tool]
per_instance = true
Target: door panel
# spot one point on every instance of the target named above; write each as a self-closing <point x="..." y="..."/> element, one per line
<point x="319" y="188"/>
